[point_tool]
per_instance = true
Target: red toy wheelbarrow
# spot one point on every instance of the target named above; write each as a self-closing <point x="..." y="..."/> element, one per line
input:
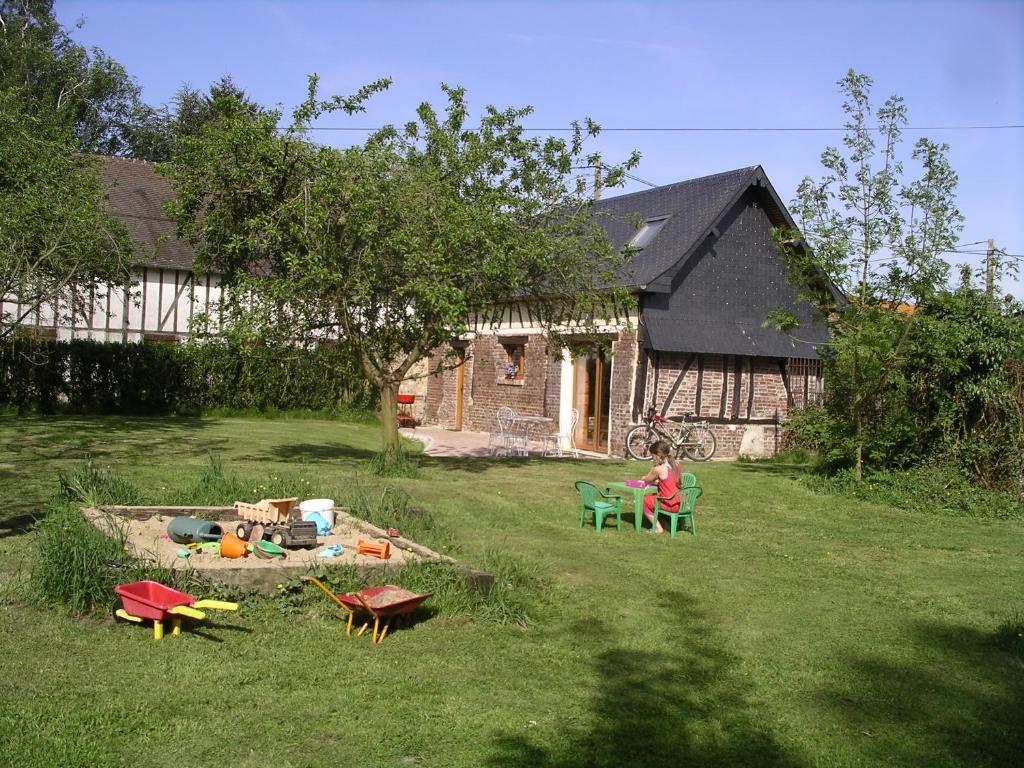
<point x="150" y="600"/>
<point x="385" y="602"/>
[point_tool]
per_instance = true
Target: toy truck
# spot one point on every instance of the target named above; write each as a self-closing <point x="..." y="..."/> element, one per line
<point x="273" y="516"/>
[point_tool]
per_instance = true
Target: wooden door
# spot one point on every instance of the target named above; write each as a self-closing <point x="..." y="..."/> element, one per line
<point x="460" y="380"/>
<point x="592" y="379"/>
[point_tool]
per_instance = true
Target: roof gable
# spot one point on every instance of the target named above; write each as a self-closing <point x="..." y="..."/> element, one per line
<point x="693" y="206"/>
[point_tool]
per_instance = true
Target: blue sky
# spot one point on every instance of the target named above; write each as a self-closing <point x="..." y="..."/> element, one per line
<point x="627" y="65"/>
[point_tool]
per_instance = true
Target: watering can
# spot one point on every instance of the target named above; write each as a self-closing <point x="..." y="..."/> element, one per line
<point x="189" y="530"/>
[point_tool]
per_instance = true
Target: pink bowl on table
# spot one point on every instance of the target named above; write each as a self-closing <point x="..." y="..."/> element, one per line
<point x="636" y="483"/>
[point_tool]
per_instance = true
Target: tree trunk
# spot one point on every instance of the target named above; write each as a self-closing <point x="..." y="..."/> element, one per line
<point x="858" y="467"/>
<point x="389" y="420"/>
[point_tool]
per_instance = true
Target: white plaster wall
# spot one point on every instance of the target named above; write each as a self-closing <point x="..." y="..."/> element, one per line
<point x="161" y="301"/>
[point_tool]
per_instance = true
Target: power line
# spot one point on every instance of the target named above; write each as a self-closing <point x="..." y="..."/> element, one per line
<point x="719" y="129"/>
<point x="637" y="178"/>
<point x="985" y="253"/>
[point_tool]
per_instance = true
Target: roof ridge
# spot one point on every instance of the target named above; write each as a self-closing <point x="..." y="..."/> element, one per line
<point x="141" y="160"/>
<point x="663" y="187"/>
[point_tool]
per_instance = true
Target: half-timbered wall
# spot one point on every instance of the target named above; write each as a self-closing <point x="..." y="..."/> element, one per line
<point x="160" y="306"/>
<point x="739" y="396"/>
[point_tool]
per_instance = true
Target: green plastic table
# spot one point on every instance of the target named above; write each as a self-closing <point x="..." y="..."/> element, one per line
<point x="638" y="499"/>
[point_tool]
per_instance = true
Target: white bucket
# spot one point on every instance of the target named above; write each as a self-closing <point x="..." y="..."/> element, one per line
<point x="323" y="507"/>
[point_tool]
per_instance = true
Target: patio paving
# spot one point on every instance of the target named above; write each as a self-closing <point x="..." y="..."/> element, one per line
<point x="447" y="442"/>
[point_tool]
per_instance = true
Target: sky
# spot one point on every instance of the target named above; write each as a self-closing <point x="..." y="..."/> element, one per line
<point x="628" y="65"/>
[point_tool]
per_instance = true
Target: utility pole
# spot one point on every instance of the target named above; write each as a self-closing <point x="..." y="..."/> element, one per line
<point x="990" y="268"/>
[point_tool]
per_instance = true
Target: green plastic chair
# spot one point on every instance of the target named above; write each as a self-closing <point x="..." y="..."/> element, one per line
<point x="687" y="503"/>
<point x="595" y="500"/>
<point x="689" y="480"/>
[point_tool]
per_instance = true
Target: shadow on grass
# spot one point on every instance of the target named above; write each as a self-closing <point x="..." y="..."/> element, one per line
<point x="679" y="705"/>
<point x="792" y="471"/>
<point x="320" y="453"/>
<point x="970" y="707"/>
<point x="17" y="524"/>
<point x="37" y="448"/>
<point x="55" y="438"/>
<point x="323" y="453"/>
<point x="479" y="464"/>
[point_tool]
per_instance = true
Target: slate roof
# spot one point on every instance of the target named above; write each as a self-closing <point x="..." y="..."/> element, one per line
<point x="696" y="297"/>
<point x="693" y="207"/>
<point x="135" y="194"/>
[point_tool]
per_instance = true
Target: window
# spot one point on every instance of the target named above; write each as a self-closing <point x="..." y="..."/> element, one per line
<point x="647" y="232"/>
<point x="805" y="379"/>
<point x="514" y="367"/>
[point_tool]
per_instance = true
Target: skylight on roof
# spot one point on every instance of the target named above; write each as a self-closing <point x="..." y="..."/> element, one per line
<point x="647" y="232"/>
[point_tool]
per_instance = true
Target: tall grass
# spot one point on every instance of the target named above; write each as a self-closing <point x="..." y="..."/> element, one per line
<point x="77" y="564"/>
<point x="940" y="491"/>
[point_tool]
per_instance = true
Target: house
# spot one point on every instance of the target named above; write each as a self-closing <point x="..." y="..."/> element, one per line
<point x="167" y="293"/>
<point x="705" y="274"/>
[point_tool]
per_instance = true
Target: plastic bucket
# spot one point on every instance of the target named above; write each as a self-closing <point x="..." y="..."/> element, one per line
<point x="322" y="507"/>
<point x="232" y="546"/>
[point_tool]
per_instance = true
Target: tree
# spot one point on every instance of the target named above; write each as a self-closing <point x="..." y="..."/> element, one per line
<point x="58" y="246"/>
<point x="878" y="238"/>
<point x="87" y="90"/>
<point x="157" y="134"/>
<point x="394" y="246"/>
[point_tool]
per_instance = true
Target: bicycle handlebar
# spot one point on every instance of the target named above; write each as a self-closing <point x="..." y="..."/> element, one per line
<point x="653" y="415"/>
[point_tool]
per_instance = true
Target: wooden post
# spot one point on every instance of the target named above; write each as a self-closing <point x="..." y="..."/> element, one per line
<point x="990" y="268"/>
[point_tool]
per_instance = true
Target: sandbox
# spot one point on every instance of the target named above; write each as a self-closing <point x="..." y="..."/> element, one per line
<point x="146" y="538"/>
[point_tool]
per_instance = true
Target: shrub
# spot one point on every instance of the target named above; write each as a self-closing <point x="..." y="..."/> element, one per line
<point x="937" y="490"/>
<point x="84" y="376"/>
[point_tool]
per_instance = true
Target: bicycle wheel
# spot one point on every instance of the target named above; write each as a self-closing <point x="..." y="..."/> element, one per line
<point x="699" y="443"/>
<point x="638" y="442"/>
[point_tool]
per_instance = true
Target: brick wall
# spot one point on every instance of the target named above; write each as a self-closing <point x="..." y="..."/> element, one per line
<point x="718" y="388"/>
<point x="485" y="387"/>
<point x="734" y="392"/>
<point x="625" y="351"/>
<point x="536" y="394"/>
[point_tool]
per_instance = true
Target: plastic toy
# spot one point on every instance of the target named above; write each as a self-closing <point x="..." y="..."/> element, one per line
<point x="191" y="530"/>
<point x="373" y="549"/>
<point x="152" y="601"/>
<point x="386" y="602"/>
<point x="266" y="550"/>
<point x="273" y="515"/>
<point x="232" y="546"/>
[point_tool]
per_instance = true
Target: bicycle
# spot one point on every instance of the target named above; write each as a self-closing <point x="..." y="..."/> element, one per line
<point x="694" y="439"/>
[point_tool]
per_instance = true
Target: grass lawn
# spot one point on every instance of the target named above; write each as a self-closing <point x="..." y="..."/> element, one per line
<point x="793" y="630"/>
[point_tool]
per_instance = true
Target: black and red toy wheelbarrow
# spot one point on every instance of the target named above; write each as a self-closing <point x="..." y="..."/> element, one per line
<point x="151" y="600"/>
<point x="384" y="603"/>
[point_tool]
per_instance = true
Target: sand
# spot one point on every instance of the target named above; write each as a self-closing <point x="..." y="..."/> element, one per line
<point x="147" y="538"/>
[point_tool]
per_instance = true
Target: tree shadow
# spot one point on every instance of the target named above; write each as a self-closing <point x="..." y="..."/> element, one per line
<point x="971" y="708"/>
<point x="792" y="471"/>
<point x="481" y="464"/>
<point x="55" y="438"/>
<point x="683" y="704"/>
<point x="17" y="524"/>
<point x="320" y="453"/>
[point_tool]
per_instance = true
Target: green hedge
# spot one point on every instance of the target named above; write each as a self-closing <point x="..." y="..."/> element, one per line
<point x="83" y="376"/>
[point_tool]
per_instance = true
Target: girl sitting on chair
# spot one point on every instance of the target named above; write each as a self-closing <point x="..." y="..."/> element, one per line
<point x="667" y="475"/>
